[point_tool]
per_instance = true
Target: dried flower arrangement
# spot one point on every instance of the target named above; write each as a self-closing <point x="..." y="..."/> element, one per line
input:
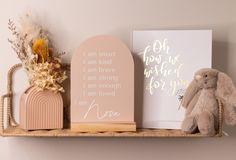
<point x="36" y="52"/>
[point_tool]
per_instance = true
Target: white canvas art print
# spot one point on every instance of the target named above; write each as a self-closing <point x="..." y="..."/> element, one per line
<point x="165" y="61"/>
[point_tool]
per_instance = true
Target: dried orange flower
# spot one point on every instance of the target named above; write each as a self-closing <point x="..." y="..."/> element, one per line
<point x="40" y="47"/>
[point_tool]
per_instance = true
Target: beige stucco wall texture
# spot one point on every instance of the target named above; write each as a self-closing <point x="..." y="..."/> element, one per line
<point x="72" y="21"/>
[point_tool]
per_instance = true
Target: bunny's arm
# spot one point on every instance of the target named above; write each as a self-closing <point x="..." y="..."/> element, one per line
<point x="190" y="95"/>
<point x="192" y="103"/>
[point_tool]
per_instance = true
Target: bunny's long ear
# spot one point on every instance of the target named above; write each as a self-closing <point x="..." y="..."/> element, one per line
<point x="229" y="114"/>
<point x="226" y="93"/>
<point x="189" y="94"/>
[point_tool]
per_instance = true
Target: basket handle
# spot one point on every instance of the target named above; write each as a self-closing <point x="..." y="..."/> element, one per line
<point x="1" y="113"/>
<point x="9" y="97"/>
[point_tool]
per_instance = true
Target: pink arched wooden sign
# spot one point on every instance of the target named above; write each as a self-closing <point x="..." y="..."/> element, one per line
<point x="102" y="86"/>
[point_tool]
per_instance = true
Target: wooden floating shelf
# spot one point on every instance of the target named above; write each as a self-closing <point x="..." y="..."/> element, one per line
<point x="18" y="132"/>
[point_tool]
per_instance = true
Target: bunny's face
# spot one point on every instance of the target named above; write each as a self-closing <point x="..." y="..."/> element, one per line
<point x="206" y="78"/>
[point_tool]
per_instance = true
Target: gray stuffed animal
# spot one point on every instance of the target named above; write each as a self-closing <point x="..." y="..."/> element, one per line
<point x="200" y="102"/>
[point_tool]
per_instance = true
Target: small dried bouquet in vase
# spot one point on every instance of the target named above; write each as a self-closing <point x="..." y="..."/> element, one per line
<point x="41" y="105"/>
<point x="41" y="61"/>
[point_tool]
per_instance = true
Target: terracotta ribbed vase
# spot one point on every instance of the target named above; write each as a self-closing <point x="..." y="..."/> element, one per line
<point x="41" y="110"/>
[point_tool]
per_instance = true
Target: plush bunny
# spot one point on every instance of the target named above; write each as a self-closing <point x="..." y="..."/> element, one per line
<point x="200" y="102"/>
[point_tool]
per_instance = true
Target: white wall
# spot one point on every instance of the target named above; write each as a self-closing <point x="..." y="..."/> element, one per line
<point x="72" y="21"/>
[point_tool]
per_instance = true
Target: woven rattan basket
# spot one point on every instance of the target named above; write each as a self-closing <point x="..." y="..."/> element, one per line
<point x="9" y="127"/>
